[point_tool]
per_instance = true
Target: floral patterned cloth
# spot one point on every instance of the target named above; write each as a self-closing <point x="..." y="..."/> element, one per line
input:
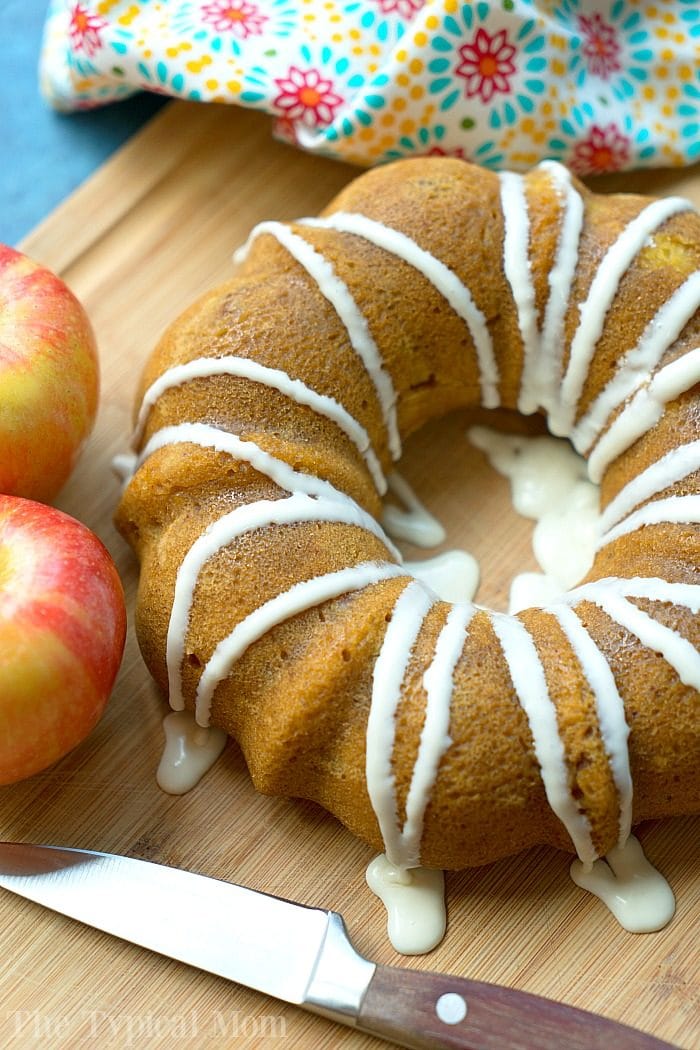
<point x="601" y="85"/>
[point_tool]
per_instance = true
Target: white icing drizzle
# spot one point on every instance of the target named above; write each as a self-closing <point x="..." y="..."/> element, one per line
<point x="546" y="377"/>
<point x="610" y="709"/>
<point x="207" y="436"/>
<point x="339" y="296"/>
<point x="390" y="668"/>
<point x="593" y="311"/>
<point x="633" y="368"/>
<point x="516" y="265"/>
<point x="414" y="522"/>
<point x="415" y="904"/>
<point x="294" y="509"/>
<point x="673" y="510"/>
<point x="438" y="682"/>
<point x="302" y="596"/>
<point x="644" y="411"/>
<point x="402" y="844"/>
<point x="440" y="276"/>
<point x="295" y="389"/>
<point x="685" y="594"/>
<point x="675" y="465"/>
<point x="676" y="650"/>
<point x="190" y="751"/>
<point x="635" y="892"/>
<point x="530" y="685"/>
<point x="453" y="576"/>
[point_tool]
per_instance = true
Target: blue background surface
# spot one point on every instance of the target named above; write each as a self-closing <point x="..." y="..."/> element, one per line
<point x="45" y="155"/>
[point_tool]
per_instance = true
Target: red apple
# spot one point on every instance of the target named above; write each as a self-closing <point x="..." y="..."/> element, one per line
<point x="62" y="627"/>
<point x="48" y="378"/>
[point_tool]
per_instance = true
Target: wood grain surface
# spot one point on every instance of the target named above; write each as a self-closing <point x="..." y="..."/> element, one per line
<point x="151" y="230"/>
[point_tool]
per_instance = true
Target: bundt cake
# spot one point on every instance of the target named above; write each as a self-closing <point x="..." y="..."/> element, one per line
<point x="272" y="602"/>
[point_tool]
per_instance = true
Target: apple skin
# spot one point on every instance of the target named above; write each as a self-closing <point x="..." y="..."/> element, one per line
<point x="49" y="378"/>
<point x="62" y="630"/>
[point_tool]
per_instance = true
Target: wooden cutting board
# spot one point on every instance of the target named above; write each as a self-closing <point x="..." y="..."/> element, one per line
<point x="151" y="230"/>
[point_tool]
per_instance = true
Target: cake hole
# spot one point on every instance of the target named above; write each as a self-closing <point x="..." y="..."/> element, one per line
<point x="193" y="660"/>
<point x="346" y="655"/>
<point x="472" y="500"/>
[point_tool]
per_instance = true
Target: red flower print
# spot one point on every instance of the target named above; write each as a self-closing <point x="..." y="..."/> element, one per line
<point x="406" y="8"/>
<point x="605" y="149"/>
<point x="238" y="17"/>
<point x="600" y="47"/>
<point x="306" y="96"/>
<point x="85" y="29"/>
<point x="486" y="65"/>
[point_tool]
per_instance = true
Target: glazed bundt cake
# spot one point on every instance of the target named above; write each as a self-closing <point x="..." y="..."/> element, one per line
<point x="272" y="602"/>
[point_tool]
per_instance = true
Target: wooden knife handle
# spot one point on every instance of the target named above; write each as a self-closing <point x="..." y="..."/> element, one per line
<point x="427" y="1011"/>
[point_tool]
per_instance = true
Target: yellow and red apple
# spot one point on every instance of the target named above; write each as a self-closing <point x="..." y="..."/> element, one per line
<point x="62" y="628"/>
<point x="48" y="378"/>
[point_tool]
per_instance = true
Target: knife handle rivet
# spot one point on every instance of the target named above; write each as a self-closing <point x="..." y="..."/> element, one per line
<point x="451" y="1008"/>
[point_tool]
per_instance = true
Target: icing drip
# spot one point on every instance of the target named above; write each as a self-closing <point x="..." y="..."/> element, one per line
<point x="414" y="523"/>
<point x="414" y="896"/>
<point x="644" y="411"/>
<point x="635" y="892"/>
<point x="124" y="466"/>
<point x="548" y="483"/>
<point x="274" y="378"/>
<point x="296" y="508"/>
<point x="593" y="311"/>
<point x="415" y="903"/>
<point x="453" y="576"/>
<point x="516" y="264"/>
<point x="529" y="590"/>
<point x="190" y="752"/>
<point x="530" y="685"/>
<point x="338" y="295"/>
<point x="440" y="276"/>
<point x="299" y="598"/>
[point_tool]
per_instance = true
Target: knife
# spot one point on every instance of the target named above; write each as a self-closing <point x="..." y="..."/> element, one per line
<point x="297" y="954"/>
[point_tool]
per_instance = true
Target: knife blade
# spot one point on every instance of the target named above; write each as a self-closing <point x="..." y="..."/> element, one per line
<point x="295" y="953"/>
